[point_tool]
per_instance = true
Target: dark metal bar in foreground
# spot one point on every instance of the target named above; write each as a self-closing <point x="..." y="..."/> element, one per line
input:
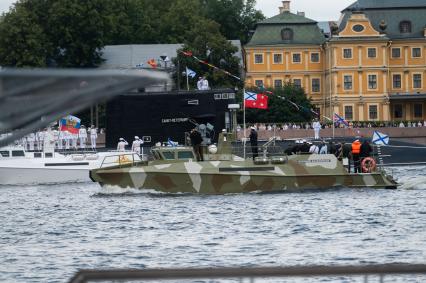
<point x="210" y="273"/>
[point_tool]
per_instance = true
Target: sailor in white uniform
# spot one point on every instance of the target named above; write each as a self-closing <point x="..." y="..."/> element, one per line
<point x="121" y="146"/>
<point x="67" y="137"/>
<point x="136" y="145"/>
<point x="74" y="138"/>
<point x="317" y="127"/>
<point x="82" y="134"/>
<point x="55" y="134"/>
<point x="61" y="140"/>
<point x="93" y="136"/>
<point x="205" y="84"/>
<point x="31" y="140"/>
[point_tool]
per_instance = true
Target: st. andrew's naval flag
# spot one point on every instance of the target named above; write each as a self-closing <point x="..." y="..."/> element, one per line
<point x="380" y="139"/>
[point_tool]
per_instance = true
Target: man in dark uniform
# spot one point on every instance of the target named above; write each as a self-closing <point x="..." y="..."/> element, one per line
<point x="253" y="142"/>
<point x="196" y="141"/>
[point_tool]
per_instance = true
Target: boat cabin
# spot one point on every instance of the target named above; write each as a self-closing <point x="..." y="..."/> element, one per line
<point x="173" y="153"/>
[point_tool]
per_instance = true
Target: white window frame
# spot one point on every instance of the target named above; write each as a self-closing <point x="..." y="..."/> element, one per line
<point x="292" y="57"/>
<point x="343" y="53"/>
<point x="412" y="51"/>
<point x="401" y="75"/>
<point x="377" y="81"/>
<point x="282" y="82"/>
<point x="421" y="80"/>
<point x="400" y="54"/>
<point x="352" y="82"/>
<point x="273" y="58"/>
<point x="254" y="58"/>
<point x="344" y="111"/>
<point x="312" y="86"/>
<point x="298" y="78"/>
<point x="368" y="56"/>
<point x="378" y="112"/>
<point x="319" y="57"/>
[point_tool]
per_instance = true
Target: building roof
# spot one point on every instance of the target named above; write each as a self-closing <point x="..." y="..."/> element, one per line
<point x="288" y="18"/>
<point x="392" y="12"/>
<point x="385" y="4"/>
<point x="305" y="31"/>
<point x="137" y="55"/>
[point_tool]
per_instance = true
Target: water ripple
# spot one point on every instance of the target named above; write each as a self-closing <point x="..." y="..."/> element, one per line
<point x="49" y="232"/>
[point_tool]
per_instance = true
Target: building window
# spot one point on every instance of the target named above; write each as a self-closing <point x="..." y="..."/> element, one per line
<point x="417" y="81"/>
<point x="287" y="34"/>
<point x="258" y="58"/>
<point x="405" y="27"/>
<point x="372" y="52"/>
<point x="347" y="53"/>
<point x="297" y="83"/>
<point x="416" y="52"/>
<point x="372" y="112"/>
<point x="278" y="58"/>
<point x="297" y="57"/>
<point x="258" y="83"/>
<point x="316" y="85"/>
<point x="418" y="110"/>
<point x="396" y="81"/>
<point x="349" y="112"/>
<point x="347" y="80"/>
<point x="315" y="57"/>
<point x="397" y="111"/>
<point x="278" y="83"/>
<point x="396" y="52"/>
<point x="372" y="81"/>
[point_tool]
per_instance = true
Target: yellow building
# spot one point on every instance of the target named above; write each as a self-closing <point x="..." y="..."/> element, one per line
<point x="370" y="67"/>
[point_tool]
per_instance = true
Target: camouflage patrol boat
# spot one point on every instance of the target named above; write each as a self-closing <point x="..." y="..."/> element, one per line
<point x="174" y="170"/>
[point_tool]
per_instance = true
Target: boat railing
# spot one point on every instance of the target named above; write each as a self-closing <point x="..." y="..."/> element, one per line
<point x="375" y="273"/>
<point x="121" y="159"/>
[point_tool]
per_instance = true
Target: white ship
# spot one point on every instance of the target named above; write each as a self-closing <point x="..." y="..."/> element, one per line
<point x="18" y="167"/>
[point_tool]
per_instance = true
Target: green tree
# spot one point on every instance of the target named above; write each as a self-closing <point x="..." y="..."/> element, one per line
<point x="279" y="109"/>
<point x="236" y="17"/>
<point x="22" y="39"/>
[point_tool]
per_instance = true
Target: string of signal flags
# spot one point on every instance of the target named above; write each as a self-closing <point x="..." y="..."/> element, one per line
<point x="251" y="100"/>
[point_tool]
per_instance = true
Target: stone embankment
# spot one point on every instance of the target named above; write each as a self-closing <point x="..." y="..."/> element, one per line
<point x="416" y="135"/>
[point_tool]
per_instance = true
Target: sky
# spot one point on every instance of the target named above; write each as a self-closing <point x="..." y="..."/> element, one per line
<point x="320" y="10"/>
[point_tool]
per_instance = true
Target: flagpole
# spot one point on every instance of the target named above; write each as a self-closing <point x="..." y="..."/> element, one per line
<point x="187" y="80"/>
<point x="244" y="123"/>
<point x="334" y="126"/>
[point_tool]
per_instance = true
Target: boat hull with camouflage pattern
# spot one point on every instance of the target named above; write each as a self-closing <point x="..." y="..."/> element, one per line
<point x="216" y="176"/>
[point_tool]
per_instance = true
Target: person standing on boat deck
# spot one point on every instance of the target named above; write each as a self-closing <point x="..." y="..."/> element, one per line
<point x="253" y="142"/>
<point x="196" y="141"/>
<point x="356" y="150"/>
<point x="347" y="156"/>
<point x="316" y="125"/>
<point x="82" y="134"/>
<point x="121" y="146"/>
<point x="74" y="138"/>
<point x="93" y="136"/>
<point x="205" y="84"/>
<point x="200" y="83"/>
<point x="136" y="145"/>
<point x="67" y="137"/>
<point x="324" y="149"/>
<point x="31" y="140"/>
<point x="61" y="139"/>
<point x="365" y="149"/>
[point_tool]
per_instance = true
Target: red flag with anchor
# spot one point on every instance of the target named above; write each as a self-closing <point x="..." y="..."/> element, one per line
<point x="255" y="100"/>
<point x="152" y="63"/>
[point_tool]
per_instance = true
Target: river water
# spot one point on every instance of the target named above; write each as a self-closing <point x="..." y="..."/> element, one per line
<point x="49" y="232"/>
